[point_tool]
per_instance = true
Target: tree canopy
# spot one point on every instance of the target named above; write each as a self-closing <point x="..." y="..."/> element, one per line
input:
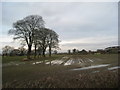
<point x="32" y="30"/>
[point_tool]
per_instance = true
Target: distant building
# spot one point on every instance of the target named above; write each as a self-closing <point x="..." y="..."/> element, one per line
<point x="83" y="51"/>
<point x="69" y="51"/>
<point x="100" y="51"/>
<point x="91" y="52"/>
<point x="115" y="49"/>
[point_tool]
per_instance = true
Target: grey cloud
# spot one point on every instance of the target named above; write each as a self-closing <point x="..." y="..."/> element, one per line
<point x="88" y="46"/>
<point x="70" y="20"/>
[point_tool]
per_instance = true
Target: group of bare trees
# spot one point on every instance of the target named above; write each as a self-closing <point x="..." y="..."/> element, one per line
<point x="11" y="51"/>
<point x="76" y="51"/>
<point x="7" y="50"/>
<point x="32" y="31"/>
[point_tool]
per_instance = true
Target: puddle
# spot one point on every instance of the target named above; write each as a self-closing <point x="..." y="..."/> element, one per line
<point x="91" y="67"/>
<point x="12" y="63"/>
<point x="47" y="63"/>
<point x="81" y="60"/>
<point x="77" y="61"/>
<point x="37" y="62"/>
<point x="17" y="64"/>
<point x="69" y="62"/>
<point x="112" y="68"/>
<point x="90" y="60"/>
<point x="65" y="57"/>
<point x="55" y="62"/>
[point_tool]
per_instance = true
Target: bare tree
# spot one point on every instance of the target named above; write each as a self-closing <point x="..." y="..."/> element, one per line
<point x="7" y="50"/>
<point x="45" y="38"/>
<point x="74" y="50"/>
<point x="39" y="40"/>
<point x="52" y="40"/>
<point x="39" y="50"/>
<point x="35" y="41"/>
<point x="25" y="29"/>
<point x="22" y="50"/>
<point x="55" y="51"/>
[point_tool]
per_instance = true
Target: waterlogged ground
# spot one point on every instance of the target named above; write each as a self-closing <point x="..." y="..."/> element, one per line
<point x="83" y="63"/>
<point x="64" y="71"/>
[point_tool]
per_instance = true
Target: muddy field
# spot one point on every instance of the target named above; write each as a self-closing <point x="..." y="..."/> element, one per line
<point x="75" y="71"/>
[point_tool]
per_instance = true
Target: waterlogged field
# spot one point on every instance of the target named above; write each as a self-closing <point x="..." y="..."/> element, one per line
<point x="61" y="71"/>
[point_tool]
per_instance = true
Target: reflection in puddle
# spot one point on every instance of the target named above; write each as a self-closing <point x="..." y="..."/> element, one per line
<point x="90" y="60"/>
<point x="12" y="63"/>
<point x="17" y="64"/>
<point x="81" y="60"/>
<point x="90" y="67"/>
<point x="58" y="62"/>
<point x="38" y="62"/>
<point x="65" y="57"/>
<point x="112" y="68"/>
<point x="47" y="63"/>
<point x="69" y="62"/>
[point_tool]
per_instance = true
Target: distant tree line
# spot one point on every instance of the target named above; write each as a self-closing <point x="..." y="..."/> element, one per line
<point x="108" y="50"/>
<point x="11" y="51"/>
<point x="20" y="51"/>
<point x="76" y="51"/>
<point x="33" y="32"/>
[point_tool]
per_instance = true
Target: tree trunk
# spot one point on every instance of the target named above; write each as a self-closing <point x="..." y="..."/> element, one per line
<point x="29" y="51"/>
<point x="35" y="51"/>
<point x="43" y="53"/>
<point x="49" y="51"/>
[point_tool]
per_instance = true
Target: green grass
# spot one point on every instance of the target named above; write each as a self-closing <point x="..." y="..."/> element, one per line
<point x="59" y="76"/>
<point x="8" y="59"/>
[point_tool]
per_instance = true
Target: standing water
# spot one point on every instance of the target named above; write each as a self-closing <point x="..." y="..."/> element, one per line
<point x="90" y="67"/>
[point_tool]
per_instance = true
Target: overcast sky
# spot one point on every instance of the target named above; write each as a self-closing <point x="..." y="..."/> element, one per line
<point x="80" y="25"/>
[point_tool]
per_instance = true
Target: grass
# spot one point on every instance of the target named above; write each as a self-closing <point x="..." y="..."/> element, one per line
<point x="58" y="76"/>
<point x="9" y="59"/>
<point x="101" y="58"/>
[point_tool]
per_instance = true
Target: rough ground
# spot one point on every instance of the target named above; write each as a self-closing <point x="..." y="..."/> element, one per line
<point x="67" y="71"/>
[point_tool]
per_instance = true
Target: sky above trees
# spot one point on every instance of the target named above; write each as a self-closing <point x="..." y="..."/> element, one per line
<point x="80" y="25"/>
